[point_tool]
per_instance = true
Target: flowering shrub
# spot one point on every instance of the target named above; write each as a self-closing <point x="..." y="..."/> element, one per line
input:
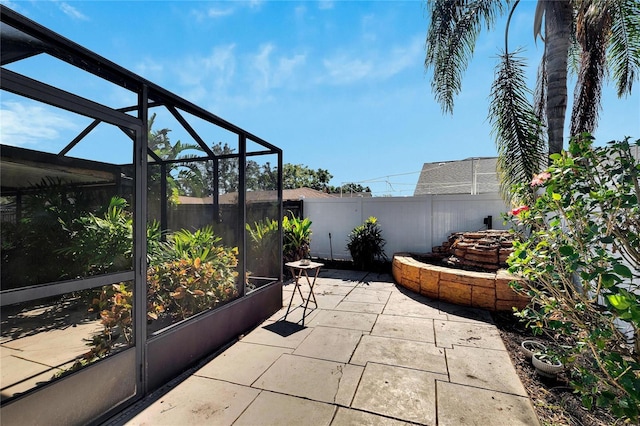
<point x="580" y="252"/>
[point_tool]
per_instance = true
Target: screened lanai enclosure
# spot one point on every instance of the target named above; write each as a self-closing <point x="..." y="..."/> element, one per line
<point x="140" y="233"/>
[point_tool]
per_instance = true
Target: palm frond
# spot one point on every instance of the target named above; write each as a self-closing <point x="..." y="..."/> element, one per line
<point x="521" y="148"/>
<point x="453" y="30"/>
<point x="593" y="23"/>
<point x="624" y="45"/>
<point x="540" y="93"/>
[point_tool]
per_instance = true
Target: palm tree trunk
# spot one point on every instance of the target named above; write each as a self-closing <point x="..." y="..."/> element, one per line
<point x="558" y="21"/>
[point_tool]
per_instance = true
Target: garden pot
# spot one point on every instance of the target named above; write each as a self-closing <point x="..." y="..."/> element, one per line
<point x="529" y="347"/>
<point x="545" y="367"/>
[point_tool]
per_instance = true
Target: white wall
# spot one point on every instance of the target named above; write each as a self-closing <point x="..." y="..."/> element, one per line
<point x="413" y="224"/>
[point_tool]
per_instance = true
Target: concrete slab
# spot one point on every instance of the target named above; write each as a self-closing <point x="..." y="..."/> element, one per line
<point x="368" y="295"/>
<point x="198" y="401"/>
<point x="463" y="405"/>
<point x="332" y="287"/>
<point x="483" y="368"/>
<point x="281" y="333"/>
<point x="409" y="328"/>
<point x="343" y="274"/>
<point x="449" y="333"/>
<point x="329" y="343"/>
<point x="340" y="319"/>
<point x="28" y="382"/>
<point x="378" y="285"/>
<point x="328" y="301"/>
<point x="398" y="392"/>
<point x="413" y="306"/>
<point x="295" y="314"/>
<point x="310" y="378"/>
<point x="242" y="363"/>
<point x="274" y="409"/>
<point x="349" y="417"/>
<point x="351" y="375"/>
<point x="369" y="308"/>
<point x="465" y="313"/>
<point x="15" y="369"/>
<point x="405" y="353"/>
<point x="56" y="347"/>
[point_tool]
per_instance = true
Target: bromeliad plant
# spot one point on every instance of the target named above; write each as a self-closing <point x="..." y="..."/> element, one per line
<point x="579" y="252"/>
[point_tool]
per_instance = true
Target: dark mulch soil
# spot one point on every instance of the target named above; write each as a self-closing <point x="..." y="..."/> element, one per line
<point x="553" y="399"/>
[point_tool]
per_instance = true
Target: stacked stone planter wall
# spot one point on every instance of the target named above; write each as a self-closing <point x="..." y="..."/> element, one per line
<point x="487" y="290"/>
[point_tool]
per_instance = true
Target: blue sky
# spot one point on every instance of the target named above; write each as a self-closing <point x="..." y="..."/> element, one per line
<point x="338" y="85"/>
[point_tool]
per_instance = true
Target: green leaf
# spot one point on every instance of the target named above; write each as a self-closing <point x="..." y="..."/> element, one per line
<point x="556" y="196"/>
<point x="566" y="250"/>
<point x="622" y="270"/>
<point x="619" y="302"/>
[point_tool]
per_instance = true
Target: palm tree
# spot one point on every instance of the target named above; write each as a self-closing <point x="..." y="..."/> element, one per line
<point x="603" y="36"/>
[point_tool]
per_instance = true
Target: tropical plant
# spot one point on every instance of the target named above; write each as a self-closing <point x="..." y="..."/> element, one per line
<point x="184" y="287"/>
<point x="264" y="246"/>
<point x="604" y="36"/>
<point x="296" y="238"/>
<point x="579" y="252"/>
<point x="366" y="245"/>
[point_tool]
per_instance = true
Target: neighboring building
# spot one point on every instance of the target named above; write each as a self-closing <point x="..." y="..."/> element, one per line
<point x="469" y="176"/>
<point x="257" y="196"/>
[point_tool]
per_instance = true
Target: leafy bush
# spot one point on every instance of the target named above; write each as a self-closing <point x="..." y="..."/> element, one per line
<point x="580" y="232"/>
<point x="366" y="245"/>
<point x="264" y="246"/>
<point x="296" y="238"/>
<point x="185" y="287"/>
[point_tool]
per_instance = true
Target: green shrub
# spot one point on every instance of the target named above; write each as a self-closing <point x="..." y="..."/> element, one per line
<point x="366" y="245"/>
<point x="580" y="233"/>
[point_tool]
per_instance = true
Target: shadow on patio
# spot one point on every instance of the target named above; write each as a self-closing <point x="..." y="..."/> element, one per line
<point x="370" y="353"/>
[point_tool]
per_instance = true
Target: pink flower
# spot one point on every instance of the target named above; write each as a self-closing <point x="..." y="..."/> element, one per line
<point x="519" y="210"/>
<point x="540" y="178"/>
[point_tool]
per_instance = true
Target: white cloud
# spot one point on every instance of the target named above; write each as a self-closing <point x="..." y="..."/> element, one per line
<point x="149" y="69"/>
<point x="274" y="72"/>
<point x="24" y="124"/>
<point x="214" y="72"/>
<point x="325" y="4"/>
<point x="217" y="13"/>
<point x="345" y="70"/>
<point x="72" y="11"/>
<point x="353" y="66"/>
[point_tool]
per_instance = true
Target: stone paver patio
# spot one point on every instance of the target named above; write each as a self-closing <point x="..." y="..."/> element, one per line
<point x="371" y="353"/>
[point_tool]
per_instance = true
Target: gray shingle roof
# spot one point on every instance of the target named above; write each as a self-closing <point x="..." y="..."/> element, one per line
<point x="469" y="176"/>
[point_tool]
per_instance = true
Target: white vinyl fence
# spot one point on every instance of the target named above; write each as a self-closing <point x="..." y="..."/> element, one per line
<point x="409" y="224"/>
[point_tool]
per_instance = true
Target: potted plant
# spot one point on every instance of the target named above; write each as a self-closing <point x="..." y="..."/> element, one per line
<point x="548" y="362"/>
<point x="529" y="347"/>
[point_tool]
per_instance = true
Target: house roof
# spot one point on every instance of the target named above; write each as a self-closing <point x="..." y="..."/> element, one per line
<point x="469" y="176"/>
<point x="257" y="196"/>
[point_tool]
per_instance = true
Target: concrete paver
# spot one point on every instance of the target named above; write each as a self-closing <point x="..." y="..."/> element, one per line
<point x="198" y="401"/>
<point x="242" y="363"/>
<point x="331" y="344"/>
<point x="370" y="353"/>
<point x="340" y="319"/>
<point x="410" y="328"/>
<point x="398" y="392"/>
<point x="309" y="378"/>
<point x="449" y="333"/>
<point x="462" y="405"/>
<point x="406" y="353"/>
<point x="349" y="417"/>
<point x="272" y="409"/>
<point x="483" y="368"/>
